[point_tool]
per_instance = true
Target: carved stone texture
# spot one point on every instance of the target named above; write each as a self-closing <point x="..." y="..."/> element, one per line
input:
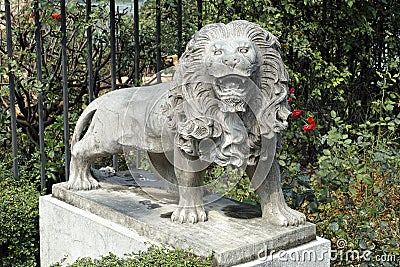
<point x="226" y="104"/>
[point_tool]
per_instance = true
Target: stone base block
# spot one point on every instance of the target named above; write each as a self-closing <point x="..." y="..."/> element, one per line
<point x="68" y="233"/>
<point x="120" y="219"/>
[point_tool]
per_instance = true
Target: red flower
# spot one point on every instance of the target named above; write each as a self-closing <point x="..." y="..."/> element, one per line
<point x="56" y="16"/>
<point x="297" y="113"/>
<point x="290" y="100"/>
<point x="309" y="127"/>
<point x="32" y="15"/>
<point x="292" y="90"/>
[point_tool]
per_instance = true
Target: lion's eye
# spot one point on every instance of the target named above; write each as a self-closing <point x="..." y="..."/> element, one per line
<point x="243" y="50"/>
<point x="218" y="52"/>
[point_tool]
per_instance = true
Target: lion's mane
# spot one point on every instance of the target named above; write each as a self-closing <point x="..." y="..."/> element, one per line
<point x="193" y="110"/>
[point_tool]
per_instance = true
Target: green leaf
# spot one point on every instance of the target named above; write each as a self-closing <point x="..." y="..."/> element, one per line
<point x="352" y="190"/>
<point x="282" y="163"/>
<point x="326" y="152"/>
<point x="365" y="178"/>
<point x="362" y="244"/>
<point x="347" y="141"/>
<point x="389" y="107"/>
<point x="334" y="226"/>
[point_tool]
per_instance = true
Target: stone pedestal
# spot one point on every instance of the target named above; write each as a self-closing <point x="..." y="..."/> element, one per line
<point x="120" y="219"/>
<point x="68" y="233"/>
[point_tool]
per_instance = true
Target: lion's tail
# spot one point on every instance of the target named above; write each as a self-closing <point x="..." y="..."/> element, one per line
<point x="82" y="123"/>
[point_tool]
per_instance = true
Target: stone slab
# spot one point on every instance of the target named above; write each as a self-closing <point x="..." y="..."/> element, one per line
<point x="231" y="239"/>
<point x="68" y="233"/>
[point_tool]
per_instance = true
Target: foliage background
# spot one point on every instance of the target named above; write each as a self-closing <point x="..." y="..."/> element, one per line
<point x="343" y="60"/>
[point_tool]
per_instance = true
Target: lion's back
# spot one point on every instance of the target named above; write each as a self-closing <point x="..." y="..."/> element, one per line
<point x="137" y="115"/>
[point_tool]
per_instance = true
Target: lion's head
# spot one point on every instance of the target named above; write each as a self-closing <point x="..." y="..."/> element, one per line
<point x="230" y="88"/>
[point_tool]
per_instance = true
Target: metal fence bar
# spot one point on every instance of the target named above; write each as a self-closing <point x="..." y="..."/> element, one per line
<point x="89" y="33"/>
<point x="179" y="27"/>
<point x="65" y="86"/>
<point x="112" y="45"/>
<point x="136" y="39"/>
<point x="158" y="40"/>
<point x="137" y="59"/>
<point x="199" y="14"/>
<point x="40" y="95"/>
<point x="113" y="62"/>
<point x="12" y="91"/>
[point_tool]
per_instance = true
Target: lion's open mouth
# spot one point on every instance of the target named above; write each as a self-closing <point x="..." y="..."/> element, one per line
<point x="231" y="90"/>
<point x="232" y="81"/>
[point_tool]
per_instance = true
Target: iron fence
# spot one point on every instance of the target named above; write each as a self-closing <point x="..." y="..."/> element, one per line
<point x="91" y="77"/>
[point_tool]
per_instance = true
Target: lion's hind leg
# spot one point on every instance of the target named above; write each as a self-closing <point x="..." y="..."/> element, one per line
<point x="80" y="178"/>
<point x="162" y="165"/>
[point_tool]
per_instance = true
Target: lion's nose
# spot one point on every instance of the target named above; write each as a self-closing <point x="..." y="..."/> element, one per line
<point x="231" y="61"/>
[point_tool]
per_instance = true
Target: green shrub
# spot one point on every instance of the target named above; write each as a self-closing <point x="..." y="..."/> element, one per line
<point x="356" y="184"/>
<point x="154" y="256"/>
<point x="19" y="223"/>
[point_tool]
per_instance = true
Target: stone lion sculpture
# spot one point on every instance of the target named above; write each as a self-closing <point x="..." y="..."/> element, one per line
<point x="226" y="104"/>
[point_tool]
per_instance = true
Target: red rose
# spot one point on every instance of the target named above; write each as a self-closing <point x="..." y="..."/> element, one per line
<point x="297" y="113"/>
<point x="290" y="100"/>
<point x="309" y="127"/>
<point x="56" y="16"/>
<point x="292" y="90"/>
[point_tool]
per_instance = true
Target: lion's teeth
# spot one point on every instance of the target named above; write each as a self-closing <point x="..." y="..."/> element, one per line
<point x="232" y="86"/>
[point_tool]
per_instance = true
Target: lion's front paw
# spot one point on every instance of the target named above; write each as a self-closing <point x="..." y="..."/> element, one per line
<point x="282" y="215"/>
<point x="83" y="184"/>
<point x="189" y="214"/>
